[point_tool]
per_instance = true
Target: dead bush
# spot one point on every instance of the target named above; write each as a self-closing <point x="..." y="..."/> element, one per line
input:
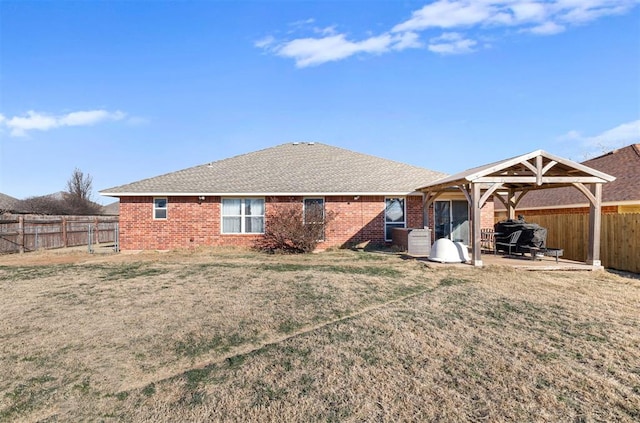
<point x="292" y="229"/>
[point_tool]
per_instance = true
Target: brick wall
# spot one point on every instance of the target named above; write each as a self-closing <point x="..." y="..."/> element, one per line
<point x="487" y="215"/>
<point x="191" y="223"/>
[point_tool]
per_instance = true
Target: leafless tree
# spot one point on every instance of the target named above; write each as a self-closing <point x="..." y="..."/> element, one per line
<point x="78" y="196"/>
<point x="79" y="185"/>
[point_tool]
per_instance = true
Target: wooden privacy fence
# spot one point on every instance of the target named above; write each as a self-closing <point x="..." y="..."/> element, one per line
<point x="23" y="233"/>
<point x="619" y="241"/>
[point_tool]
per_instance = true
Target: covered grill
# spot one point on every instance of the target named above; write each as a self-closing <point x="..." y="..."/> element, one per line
<point x="533" y="235"/>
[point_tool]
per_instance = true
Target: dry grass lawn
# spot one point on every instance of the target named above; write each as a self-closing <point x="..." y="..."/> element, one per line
<point x="233" y="335"/>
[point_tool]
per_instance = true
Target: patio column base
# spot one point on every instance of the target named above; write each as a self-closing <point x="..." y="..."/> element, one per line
<point x="594" y="262"/>
<point x="476" y="263"/>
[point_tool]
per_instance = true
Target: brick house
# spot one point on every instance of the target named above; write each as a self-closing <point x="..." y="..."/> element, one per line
<point x="619" y="196"/>
<point x="227" y="202"/>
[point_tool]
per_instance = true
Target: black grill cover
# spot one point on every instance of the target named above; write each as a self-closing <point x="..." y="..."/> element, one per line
<point x="533" y="235"/>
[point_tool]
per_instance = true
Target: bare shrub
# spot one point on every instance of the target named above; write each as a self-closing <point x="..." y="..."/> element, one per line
<point x="62" y="203"/>
<point x="292" y="230"/>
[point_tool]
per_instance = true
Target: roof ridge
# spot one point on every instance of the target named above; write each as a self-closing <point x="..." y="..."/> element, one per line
<point x="633" y="147"/>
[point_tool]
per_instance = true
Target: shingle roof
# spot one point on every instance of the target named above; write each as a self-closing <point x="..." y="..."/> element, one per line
<point x="623" y="163"/>
<point x="7" y="202"/>
<point x="293" y="168"/>
<point x="112" y="209"/>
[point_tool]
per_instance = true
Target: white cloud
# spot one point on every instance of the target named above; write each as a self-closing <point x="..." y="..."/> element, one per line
<point x="330" y="30"/>
<point x="451" y="43"/>
<point x="447" y="14"/>
<point x="583" y="11"/>
<point x="468" y="18"/>
<point x="529" y="11"/>
<point x="314" y="51"/>
<point x="620" y="136"/>
<point x="572" y="135"/>
<point x="627" y="133"/>
<point x="20" y="125"/>
<point x="407" y="40"/>
<point x="547" y="28"/>
<point x="265" y="42"/>
<point x="90" y="117"/>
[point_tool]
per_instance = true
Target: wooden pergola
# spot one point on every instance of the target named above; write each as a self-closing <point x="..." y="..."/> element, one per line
<point x="509" y="180"/>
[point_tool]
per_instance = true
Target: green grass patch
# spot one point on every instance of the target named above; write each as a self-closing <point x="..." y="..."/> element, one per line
<point x="130" y="271"/>
<point x="26" y="396"/>
<point x="352" y="270"/>
<point x="20" y="273"/>
<point x="265" y="393"/>
<point x="194" y="346"/>
<point x="289" y="325"/>
<point x="149" y="390"/>
<point x="195" y="377"/>
<point x="451" y="281"/>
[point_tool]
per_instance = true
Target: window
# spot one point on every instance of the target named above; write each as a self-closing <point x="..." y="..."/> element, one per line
<point x="159" y="208"/>
<point x="314" y="215"/>
<point x="242" y="215"/>
<point x="394" y="216"/>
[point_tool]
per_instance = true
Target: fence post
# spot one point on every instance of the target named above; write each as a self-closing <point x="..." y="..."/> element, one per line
<point x="116" y="244"/>
<point x="21" y="234"/>
<point x="97" y="230"/>
<point x="89" y="241"/>
<point x="64" y="232"/>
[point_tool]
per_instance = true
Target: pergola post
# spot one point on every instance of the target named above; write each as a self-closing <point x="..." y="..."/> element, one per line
<point x="476" y="251"/>
<point x="511" y="205"/>
<point x="595" y="224"/>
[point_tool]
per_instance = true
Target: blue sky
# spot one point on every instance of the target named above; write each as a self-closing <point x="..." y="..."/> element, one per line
<point x="126" y="90"/>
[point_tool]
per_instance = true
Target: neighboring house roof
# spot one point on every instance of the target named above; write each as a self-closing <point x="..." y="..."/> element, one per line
<point x="287" y="169"/>
<point x="112" y="209"/>
<point x="7" y="203"/>
<point x="623" y="163"/>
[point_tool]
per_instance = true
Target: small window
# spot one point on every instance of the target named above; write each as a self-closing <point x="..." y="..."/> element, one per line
<point x="242" y="215"/>
<point x="394" y="216"/>
<point x="159" y="208"/>
<point x="314" y="215"/>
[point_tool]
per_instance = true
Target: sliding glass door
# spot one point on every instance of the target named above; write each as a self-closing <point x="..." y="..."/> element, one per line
<point x="452" y="220"/>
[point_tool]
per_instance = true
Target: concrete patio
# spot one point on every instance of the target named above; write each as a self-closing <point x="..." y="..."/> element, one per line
<point x="523" y="262"/>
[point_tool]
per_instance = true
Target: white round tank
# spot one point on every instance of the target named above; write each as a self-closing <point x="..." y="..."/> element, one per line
<point x="445" y="251"/>
<point x="463" y="251"/>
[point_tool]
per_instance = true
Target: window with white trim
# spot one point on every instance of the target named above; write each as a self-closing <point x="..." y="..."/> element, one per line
<point x="394" y="216"/>
<point x="160" y="208"/>
<point x="242" y="215"/>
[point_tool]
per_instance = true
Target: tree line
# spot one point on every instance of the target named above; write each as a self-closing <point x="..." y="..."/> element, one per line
<point x="75" y="200"/>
